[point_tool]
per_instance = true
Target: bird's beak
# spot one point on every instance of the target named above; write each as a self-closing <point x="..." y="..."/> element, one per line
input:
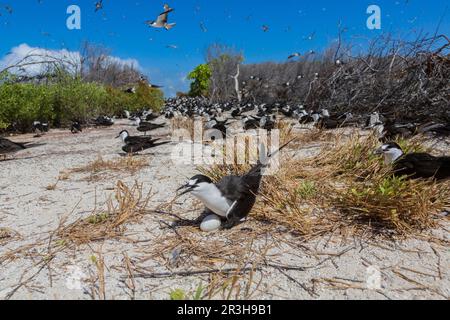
<point x="378" y="152"/>
<point x="187" y="188"/>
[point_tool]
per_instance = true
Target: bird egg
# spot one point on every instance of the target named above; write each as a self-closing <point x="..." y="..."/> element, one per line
<point x="211" y="223"/>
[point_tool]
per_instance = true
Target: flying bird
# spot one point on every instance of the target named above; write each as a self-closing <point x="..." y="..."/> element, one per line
<point x="162" y="20"/>
<point x="9" y="9"/>
<point x="202" y="26"/>
<point x="294" y="55"/>
<point x="99" y="5"/>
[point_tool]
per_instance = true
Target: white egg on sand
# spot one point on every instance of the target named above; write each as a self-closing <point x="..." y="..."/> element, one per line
<point x="211" y="223"/>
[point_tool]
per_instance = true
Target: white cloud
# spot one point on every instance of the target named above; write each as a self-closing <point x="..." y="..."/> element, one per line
<point x="30" y="57"/>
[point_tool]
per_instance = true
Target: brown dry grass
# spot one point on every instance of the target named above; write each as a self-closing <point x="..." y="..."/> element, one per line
<point x="346" y="187"/>
<point x="7" y="235"/>
<point x="187" y="124"/>
<point x="130" y="205"/>
<point x="99" y="168"/>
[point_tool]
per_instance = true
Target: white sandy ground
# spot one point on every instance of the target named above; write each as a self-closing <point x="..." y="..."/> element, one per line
<point x="412" y="269"/>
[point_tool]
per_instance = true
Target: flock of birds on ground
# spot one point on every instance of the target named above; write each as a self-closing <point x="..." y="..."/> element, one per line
<point x="229" y="201"/>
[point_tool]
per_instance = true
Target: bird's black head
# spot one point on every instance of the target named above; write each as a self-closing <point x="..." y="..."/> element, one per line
<point x="389" y="146"/>
<point x="123" y="134"/>
<point x="194" y="183"/>
<point x="391" y="151"/>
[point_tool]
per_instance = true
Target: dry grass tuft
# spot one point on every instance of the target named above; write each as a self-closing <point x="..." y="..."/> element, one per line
<point x="130" y="204"/>
<point x="97" y="167"/>
<point x="7" y="235"/>
<point x="345" y="187"/>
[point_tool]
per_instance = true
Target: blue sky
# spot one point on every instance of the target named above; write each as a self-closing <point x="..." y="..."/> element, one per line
<point x="120" y="26"/>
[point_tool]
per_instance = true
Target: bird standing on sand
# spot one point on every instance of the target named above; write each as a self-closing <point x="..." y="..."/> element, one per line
<point x="415" y="165"/>
<point x="232" y="198"/>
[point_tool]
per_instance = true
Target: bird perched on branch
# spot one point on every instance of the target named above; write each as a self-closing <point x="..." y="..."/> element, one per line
<point x="232" y="198"/>
<point x="162" y="20"/>
<point x="415" y="165"/>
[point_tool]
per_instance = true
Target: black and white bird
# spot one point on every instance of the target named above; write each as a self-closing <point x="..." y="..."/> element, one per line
<point x="294" y="55"/>
<point x="236" y="112"/>
<point x="76" y="127"/>
<point x="268" y="122"/>
<point x="40" y="128"/>
<point x="232" y="198"/>
<point x="138" y="144"/>
<point x="415" y="165"/>
<point x="104" y="121"/>
<point x="162" y="20"/>
<point x="8" y="147"/>
<point x="98" y="5"/>
<point x="145" y="127"/>
<point x="251" y="123"/>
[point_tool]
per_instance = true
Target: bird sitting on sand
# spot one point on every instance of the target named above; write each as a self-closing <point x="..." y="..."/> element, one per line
<point x="138" y="144"/>
<point x="232" y="198"/>
<point x="76" y="127"/>
<point x="104" y="121"/>
<point x="236" y="112"/>
<point x="217" y="125"/>
<point x="251" y="123"/>
<point x="268" y="122"/>
<point x="415" y="165"/>
<point x="8" y="147"/>
<point x="145" y="127"/>
<point x="40" y="128"/>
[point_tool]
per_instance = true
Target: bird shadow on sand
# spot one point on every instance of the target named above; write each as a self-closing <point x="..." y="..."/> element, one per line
<point x="30" y="145"/>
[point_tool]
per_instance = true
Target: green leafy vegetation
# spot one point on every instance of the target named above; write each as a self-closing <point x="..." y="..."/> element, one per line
<point x="177" y="295"/>
<point x="69" y="99"/>
<point x="201" y="76"/>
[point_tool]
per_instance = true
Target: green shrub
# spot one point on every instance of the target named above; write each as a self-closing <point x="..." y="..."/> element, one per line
<point x="67" y="100"/>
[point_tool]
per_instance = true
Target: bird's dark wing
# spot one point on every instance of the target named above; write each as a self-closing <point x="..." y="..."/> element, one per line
<point x="138" y="140"/>
<point x="231" y="187"/>
<point x="162" y="18"/>
<point x="133" y="147"/>
<point x="237" y="190"/>
<point x="418" y="165"/>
